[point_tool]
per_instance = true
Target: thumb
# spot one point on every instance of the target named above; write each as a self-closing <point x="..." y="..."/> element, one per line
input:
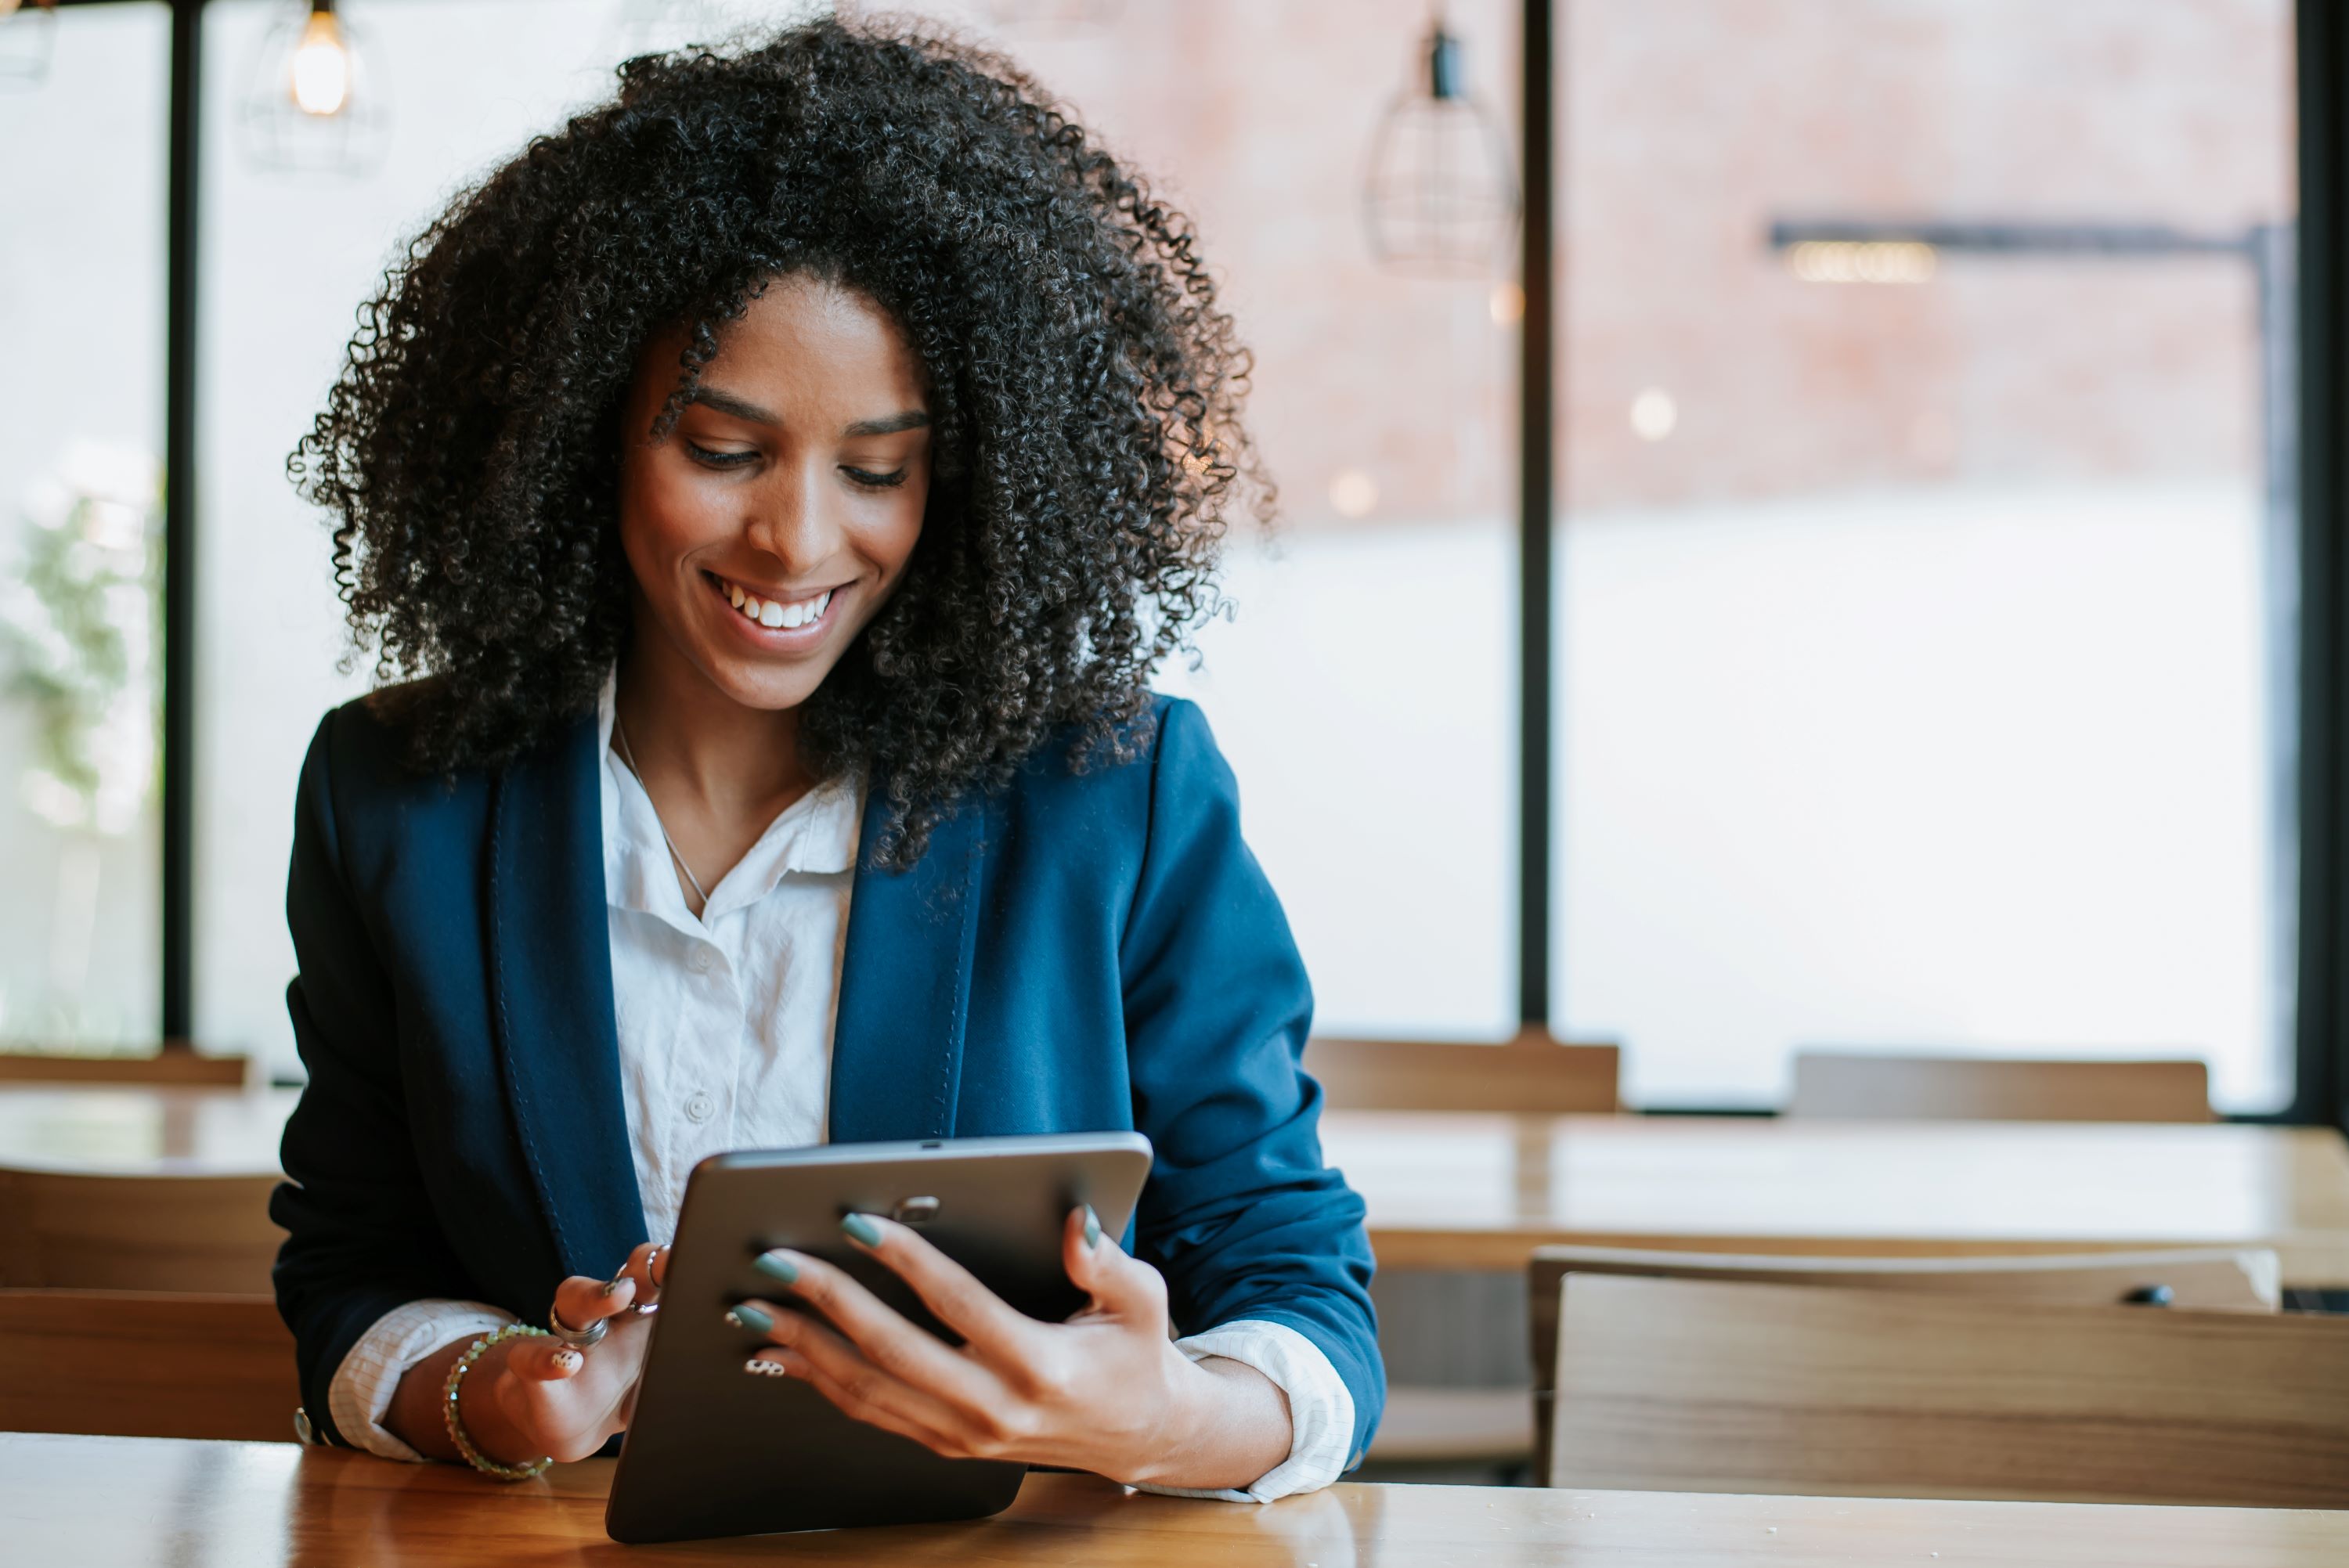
<point x="540" y="1359"/>
<point x="1120" y="1286"/>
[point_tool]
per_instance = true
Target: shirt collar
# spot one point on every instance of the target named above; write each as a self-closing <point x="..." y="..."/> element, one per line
<point x="816" y="834"/>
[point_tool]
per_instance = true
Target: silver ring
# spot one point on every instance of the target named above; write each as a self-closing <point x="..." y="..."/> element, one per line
<point x="585" y="1338"/>
<point x="647" y="1308"/>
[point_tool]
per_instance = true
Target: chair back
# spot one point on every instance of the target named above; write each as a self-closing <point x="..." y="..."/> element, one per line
<point x="145" y="1364"/>
<point x="2212" y="1279"/>
<point x="1680" y="1385"/>
<point x="69" y="1231"/>
<point x="1990" y="1088"/>
<point x="1532" y="1075"/>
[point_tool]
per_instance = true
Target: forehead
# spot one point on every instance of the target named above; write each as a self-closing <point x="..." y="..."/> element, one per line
<point x="815" y="345"/>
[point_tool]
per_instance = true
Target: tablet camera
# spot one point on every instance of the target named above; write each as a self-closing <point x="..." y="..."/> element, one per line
<point x="914" y="1211"/>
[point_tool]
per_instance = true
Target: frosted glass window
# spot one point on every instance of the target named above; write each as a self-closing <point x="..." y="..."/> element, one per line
<point x="1927" y="580"/>
<point x="82" y="271"/>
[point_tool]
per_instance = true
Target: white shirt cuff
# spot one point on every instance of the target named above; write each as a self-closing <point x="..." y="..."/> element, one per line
<point x="360" y="1395"/>
<point x="1320" y="1406"/>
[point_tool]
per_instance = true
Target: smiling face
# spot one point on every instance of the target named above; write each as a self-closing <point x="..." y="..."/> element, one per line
<point x="773" y="521"/>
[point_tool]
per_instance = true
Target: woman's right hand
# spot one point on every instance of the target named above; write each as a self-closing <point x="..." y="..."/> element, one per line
<point x="533" y="1396"/>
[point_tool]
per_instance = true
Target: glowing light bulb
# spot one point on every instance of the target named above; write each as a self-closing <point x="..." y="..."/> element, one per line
<point x="1353" y="493"/>
<point x="322" y="67"/>
<point x="1654" y="414"/>
<point x="1863" y="262"/>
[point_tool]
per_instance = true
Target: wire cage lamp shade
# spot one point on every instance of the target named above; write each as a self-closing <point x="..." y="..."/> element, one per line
<point x="1441" y="198"/>
<point x="29" y="34"/>
<point x="310" y="104"/>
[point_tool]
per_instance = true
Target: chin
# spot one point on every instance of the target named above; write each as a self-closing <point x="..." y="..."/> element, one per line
<point x="766" y="690"/>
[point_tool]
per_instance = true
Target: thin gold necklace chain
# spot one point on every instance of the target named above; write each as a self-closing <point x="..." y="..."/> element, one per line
<point x="620" y="731"/>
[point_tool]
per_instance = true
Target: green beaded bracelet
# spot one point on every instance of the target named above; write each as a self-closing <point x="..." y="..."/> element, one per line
<point x="475" y="1455"/>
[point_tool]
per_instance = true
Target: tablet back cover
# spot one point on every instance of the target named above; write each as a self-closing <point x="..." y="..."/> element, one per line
<point x="714" y="1451"/>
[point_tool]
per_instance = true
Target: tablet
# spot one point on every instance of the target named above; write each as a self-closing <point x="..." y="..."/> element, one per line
<point x="712" y="1450"/>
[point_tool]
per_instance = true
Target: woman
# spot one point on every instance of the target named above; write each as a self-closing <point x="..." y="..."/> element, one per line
<point x="779" y="483"/>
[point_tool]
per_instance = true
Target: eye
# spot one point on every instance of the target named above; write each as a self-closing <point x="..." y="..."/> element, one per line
<point x="715" y="460"/>
<point x="876" y="481"/>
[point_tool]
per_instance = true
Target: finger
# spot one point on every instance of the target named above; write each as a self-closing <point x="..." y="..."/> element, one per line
<point x="1120" y="1286"/>
<point x="646" y="1267"/>
<point x="880" y="1334"/>
<point x="580" y="1302"/>
<point x="951" y="1290"/>
<point x="870" y="1383"/>
<point x="777" y="1357"/>
<point x="799" y="1366"/>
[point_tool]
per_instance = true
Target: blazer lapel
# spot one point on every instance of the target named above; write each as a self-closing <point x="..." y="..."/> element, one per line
<point x="551" y="980"/>
<point x="904" y="985"/>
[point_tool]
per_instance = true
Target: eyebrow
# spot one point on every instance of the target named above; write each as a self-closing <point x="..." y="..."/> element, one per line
<point x="911" y="419"/>
<point x="725" y="402"/>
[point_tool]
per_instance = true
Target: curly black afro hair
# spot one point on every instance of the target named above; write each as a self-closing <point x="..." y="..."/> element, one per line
<point x="1085" y="389"/>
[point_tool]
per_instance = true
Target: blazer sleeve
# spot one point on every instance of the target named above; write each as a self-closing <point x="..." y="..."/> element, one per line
<point x="361" y="1238"/>
<point x="1240" y="1213"/>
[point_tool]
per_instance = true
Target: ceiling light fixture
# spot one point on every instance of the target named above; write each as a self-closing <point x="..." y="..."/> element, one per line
<point x="309" y="104"/>
<point x="1441" y="198"/>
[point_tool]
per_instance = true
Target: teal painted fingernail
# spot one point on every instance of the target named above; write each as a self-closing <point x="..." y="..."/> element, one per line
<point x="1092" y="1228"/>
<point x="777" y="1265"/>
<point x="861" y="1230"/>
<point x="750" y="1317"/>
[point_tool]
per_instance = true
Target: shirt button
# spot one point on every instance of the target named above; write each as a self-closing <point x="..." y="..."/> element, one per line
<point x="700" y="961"/>
<point x="700" y="1108"/>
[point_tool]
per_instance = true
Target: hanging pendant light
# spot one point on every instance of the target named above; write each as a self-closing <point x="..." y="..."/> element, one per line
<point x="309" y="104"/>
<point x="1440" y="198"/>
<point x="28" y="36"/>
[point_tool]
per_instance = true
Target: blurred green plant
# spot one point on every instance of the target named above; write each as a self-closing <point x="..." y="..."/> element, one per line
<point x="79" y="625"/>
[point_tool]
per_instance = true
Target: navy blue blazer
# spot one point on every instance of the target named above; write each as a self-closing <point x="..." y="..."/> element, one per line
<point x="1080" y="952"/>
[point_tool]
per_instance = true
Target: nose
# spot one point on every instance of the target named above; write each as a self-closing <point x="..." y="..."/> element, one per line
<point x="790" y="515"/>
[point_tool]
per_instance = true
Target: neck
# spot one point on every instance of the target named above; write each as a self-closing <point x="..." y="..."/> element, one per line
<point x="704" y="747"/>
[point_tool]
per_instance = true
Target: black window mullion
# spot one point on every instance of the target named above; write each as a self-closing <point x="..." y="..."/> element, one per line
<point x="2321" y="1090"/>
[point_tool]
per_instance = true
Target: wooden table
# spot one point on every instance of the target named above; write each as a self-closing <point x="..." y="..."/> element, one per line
<point x="115" y="1502"/>
<point x="1449" y="1190"/>
<point x="1467" y="1191"/>
<point x="143" y="1131"/>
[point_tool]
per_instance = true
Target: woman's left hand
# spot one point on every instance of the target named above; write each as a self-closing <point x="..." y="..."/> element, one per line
<point x="1106" y="1391"/>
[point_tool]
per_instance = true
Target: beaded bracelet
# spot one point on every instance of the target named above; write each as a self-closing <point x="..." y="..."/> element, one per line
<point x="475" y="1455"/>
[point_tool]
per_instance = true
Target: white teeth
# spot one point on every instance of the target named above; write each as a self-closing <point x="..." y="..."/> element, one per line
<point x="773" y="612"/>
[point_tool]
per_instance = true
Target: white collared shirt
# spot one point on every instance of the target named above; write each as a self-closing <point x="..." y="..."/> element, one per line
<point x="725" y="1033"/>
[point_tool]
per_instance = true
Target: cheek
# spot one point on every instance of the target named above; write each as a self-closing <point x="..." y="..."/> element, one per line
<point x="665" y="513"/>
<point x="888" y="540"/>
